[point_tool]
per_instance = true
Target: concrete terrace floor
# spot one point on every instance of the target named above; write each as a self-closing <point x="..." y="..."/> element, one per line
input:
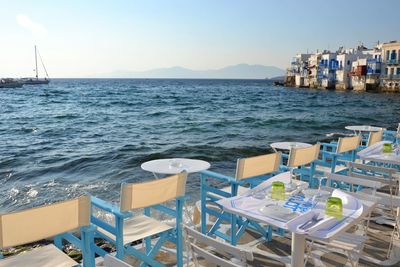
<point x="376" y="246"/>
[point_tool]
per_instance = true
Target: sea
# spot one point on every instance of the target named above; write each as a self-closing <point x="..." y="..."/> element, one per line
<point x="87" y="136"/>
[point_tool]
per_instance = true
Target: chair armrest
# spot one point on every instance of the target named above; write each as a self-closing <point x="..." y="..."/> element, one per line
<point x="218" y="176"/>
<point x="101" y="204"/>
<point x="328" y="154"/>
<point x="284" y="168"/>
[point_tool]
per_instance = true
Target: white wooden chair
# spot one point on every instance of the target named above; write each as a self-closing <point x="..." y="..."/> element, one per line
<point x="351" y="244"/>
<point x="386" y="176"/>
<point x="203" y="246"/>
<point x="55" y="220"/>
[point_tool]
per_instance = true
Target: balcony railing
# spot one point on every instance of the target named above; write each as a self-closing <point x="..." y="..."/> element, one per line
<point x="374" y="60"/>
<point x="392" y="62"/>
<point x="391" y="77"/>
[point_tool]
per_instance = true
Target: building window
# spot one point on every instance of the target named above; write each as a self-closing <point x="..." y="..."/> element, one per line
<point x="386" y="71"/>
<point x="387" y="55"/>
<point x="348" y="62"/>
<point x="393" y="56"/>
<point x="398" y="71"/>
<point x="391" y="71"/>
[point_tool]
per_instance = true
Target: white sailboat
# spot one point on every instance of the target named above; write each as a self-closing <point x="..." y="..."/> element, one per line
<point x="36" y="80"/>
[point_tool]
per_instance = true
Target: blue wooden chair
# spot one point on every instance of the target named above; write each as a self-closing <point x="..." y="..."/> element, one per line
<point x="131" y="227"/>
<point x="373" y="138"/>
<point x="55" y="220"/>
<point x="249" y="173"/>
<point x="301" y="161"/>
<point x="392" y="136"/>
<point x="335" y="155"/>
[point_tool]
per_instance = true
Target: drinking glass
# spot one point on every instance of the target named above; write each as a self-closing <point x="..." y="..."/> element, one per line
<point x="278" y="190"/>
<point x="320" y="178"/>
<point x="387" y="148"/>
<point x="334" y="207"/>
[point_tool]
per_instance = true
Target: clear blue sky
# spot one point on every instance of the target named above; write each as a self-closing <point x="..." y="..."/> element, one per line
<point x="81" y="38"/>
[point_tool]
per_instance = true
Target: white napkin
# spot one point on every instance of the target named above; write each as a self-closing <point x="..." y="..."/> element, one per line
<point x="249" y="203"/>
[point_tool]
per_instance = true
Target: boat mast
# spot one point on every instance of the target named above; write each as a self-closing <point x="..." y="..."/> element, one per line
<point x="37" y="76"/>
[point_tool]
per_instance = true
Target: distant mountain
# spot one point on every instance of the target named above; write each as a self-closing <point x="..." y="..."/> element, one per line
<point x="241" y="71"/>
<point x="277" y="78"/>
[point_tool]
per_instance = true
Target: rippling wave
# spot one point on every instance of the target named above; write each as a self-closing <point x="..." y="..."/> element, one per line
<point x="78" y="136"/>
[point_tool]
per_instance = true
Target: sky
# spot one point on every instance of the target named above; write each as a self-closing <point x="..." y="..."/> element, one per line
<point x="83" y="38"/>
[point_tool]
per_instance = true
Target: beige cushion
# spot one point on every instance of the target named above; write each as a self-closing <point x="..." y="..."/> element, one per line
<point x="47" y="256"/>
<point x="139" y="227"/>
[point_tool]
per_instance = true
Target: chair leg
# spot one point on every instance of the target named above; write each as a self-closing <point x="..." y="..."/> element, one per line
<point x="179" y="245"/>
<point x="119" y="242"/>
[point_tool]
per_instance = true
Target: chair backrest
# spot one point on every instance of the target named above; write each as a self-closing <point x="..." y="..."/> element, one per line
<point x="197" y="240"/>
<point x="111" y="261"/>
<point x="370" y="172"/>
<point x="374" y="137"/>
<point x="141" y="195"/>
<point x="303" y="156"/>
<point x="346" y="144"/>
<point x="26" y="226"/>
<point x="353" y="181"/>
<point x="259" y="165"/>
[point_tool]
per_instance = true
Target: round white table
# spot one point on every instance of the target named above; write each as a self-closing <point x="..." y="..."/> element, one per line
<point x="363" y="128"/>
<point x="288" y="145"/>
<point x="175" y="165"/>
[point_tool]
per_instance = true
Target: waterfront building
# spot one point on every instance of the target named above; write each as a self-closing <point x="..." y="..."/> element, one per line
<point x="313" y="63"/>
<point x="301" y="61"/>
<point x="390" y="78"/>
<point x="345" y="59"/>
<point x="326" y="74"/>
<point x="297" y="72"/>
<point x="358" y="74"/>
<point x="374" y="68"/>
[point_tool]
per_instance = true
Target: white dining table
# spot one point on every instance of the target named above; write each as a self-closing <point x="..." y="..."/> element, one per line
<point x="363" y="128"/>
<point x="298" y="238"/>
<point x="174" y="166"/>
<point x="288" y="145"/>
<point x="375" y="153"/>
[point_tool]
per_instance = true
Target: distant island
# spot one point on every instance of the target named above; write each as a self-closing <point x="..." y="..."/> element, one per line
<point x="240" y="71"/>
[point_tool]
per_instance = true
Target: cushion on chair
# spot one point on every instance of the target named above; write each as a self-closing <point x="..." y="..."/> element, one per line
<point x="139" y="227"/>
<point x="47" y="256"/>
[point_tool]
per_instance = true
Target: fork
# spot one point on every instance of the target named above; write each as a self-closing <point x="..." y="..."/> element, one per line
<point x="314" y="220"/>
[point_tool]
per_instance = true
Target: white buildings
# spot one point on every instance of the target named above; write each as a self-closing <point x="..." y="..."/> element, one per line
<point x="390" y="78"/>
<point x="358" y="69"/>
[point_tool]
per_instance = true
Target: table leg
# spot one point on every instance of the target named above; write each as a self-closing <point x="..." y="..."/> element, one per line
<point x="298" y="248"/>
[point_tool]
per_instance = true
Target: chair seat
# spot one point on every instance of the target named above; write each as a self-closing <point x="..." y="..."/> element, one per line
<point x="139" y="227"/>
<point x="346" y="241"/>
<point x="47" y="256"/>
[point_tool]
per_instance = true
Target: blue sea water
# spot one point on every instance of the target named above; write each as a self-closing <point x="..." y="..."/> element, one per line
<point x="77" y="136"/>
